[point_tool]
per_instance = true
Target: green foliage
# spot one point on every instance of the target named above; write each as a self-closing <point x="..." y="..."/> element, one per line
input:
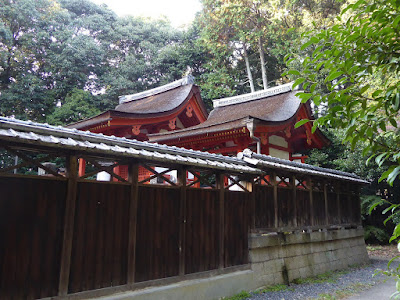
<point x="274" y="288"/>
<point x="375" y="235"/>
<point x="361" y="88"/>
<point x="78" y="105"/>
<point x="241" y="296"/>
<point x="48" y="48"/>
<point x="331" y="276"/>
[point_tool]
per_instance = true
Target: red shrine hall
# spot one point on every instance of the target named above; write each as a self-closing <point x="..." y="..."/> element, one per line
<point x="175" y="114"/>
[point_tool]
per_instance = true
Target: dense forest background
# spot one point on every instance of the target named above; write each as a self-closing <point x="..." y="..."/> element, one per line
<point x="82" y="56"/>
<point x="65" y="60"/>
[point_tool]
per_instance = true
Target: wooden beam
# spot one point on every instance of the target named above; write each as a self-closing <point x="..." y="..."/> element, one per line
<point x="326" y="203"/>
<point x="108" y="169"/>
<point x="253" y="205"/>
<point x="69" y="217"/>
<point x="237" y="182"/>
<point x="359" y="221"/>
<point x="275" y="187"/>
<point x="338" y="202"/>
<point x="182" y="217"/>
<point x="310" y="188"/>
<point x="157" y="174"/>
<point x="294" y="199"/>
<point x="133" y="175"/>
<point x="201" y="178"/>
<point x="221" y="187"/>
<point x="32" y="161"/>
<point x="26" y="163"/>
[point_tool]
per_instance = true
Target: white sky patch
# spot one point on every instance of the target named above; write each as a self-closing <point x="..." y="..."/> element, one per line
<point x="179" y="12"/>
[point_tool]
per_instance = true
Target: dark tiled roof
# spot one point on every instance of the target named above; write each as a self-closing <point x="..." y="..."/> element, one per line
<point x="159" y="103"/>
<point x="154" y="104"/>
<point x="268" y="162"/>
<point x="278" y="108"/>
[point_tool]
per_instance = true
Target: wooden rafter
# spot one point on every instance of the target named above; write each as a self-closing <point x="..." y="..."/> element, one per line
<point x="282" y="180"/>
<point x="100" y="168"/>
<point x="236" y="182"/>
<point x="26" y="163"/>
<point x="201" y="178"/>
<point x="157" y="175"/>
<point x="36" y="162"/>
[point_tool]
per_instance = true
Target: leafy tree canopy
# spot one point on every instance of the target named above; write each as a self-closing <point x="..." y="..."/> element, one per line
<point x="359" y="57"/>
<point x="78" y="105"/>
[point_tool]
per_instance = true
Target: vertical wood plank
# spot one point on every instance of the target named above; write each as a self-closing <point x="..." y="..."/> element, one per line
<point x="310" y="187"/>
<point x="221" y="187"/>
<point x="133" y="176"/>
<point x="294" y="199"/>
<point x="275" y="187"/>
<point x="338" y="203"/>
<point x="182" y="219"/>
<point x="326" y="203"/>
<point x="72" y="172"/>
<point x="359" y="221"/>
<point x="253" y="205"/>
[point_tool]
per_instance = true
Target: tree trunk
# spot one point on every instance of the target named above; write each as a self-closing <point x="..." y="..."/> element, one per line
<point x="246" y="59"/>
<point x="262" y="59"/>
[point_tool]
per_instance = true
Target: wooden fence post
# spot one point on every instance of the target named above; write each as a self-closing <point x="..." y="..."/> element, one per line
<point x="68" y="232"/>
<point x="133" y="177"/>
<point x="221" y="187"/>
<point x="359" y="221"/>
<point x="253" y="205"/>
<point x="326" y="203"/>
<point x="293" y="183"/>
<point x="310" y="187"/>
<point x="338" y="203"/>
<point x="182" y="219"/>
<point x="275" y="187"/>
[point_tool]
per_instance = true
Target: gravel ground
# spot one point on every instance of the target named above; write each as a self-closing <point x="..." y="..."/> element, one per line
<point x="354" y="281"/>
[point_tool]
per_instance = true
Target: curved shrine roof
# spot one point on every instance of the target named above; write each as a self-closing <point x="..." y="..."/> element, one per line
<point x="157" y="103"/>
<point x="275" y="109"/>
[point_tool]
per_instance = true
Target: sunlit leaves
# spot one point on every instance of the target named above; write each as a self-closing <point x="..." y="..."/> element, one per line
<point x="361" y="88"/>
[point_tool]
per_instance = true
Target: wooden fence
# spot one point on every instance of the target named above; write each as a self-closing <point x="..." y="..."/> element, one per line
<point x="103" y="252"/>
<point x="66" y="235"/>
<point x="303" y="204"/>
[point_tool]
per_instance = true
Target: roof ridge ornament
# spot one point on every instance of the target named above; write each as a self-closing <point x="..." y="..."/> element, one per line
<point x="158" y="90"/>
<point x="276" y="90"/>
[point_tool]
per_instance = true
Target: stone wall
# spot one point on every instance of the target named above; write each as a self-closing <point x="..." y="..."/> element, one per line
<point x="281" y="258"/>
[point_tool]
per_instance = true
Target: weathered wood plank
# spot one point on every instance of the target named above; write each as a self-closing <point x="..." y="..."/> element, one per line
<point x="182" y="219"/>
<point x="72" y="172"/>
<point x="275" y="187"/>
<point x="133" y="206"/>
<point x="221" y="187"/>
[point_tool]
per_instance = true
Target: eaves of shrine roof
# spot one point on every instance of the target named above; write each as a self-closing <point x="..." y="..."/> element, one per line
<point x="153" y="103"/>
<point x="273" y="106"/>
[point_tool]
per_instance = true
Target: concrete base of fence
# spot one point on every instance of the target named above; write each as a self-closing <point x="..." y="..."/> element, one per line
<point x="274" y="259"/>
<point x="281" y="258"/>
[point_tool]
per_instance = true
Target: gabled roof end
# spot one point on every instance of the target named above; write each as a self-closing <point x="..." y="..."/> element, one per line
<point x="184" y="81"/>
<point x="276" y="90"/>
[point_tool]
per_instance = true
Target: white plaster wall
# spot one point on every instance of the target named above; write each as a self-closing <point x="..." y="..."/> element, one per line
<point x="278" y="141"/>
<point x="278" y="153"/>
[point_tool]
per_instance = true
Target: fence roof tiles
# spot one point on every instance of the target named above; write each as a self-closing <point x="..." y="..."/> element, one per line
<point x="59" y="137"/>
<point x="65" y="138"/>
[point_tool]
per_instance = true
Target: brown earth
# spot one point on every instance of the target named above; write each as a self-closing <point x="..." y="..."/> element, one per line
<point x="386" y="251"/>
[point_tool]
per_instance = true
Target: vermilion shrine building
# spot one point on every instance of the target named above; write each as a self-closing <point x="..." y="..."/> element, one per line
<point x="174" y="114"/>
